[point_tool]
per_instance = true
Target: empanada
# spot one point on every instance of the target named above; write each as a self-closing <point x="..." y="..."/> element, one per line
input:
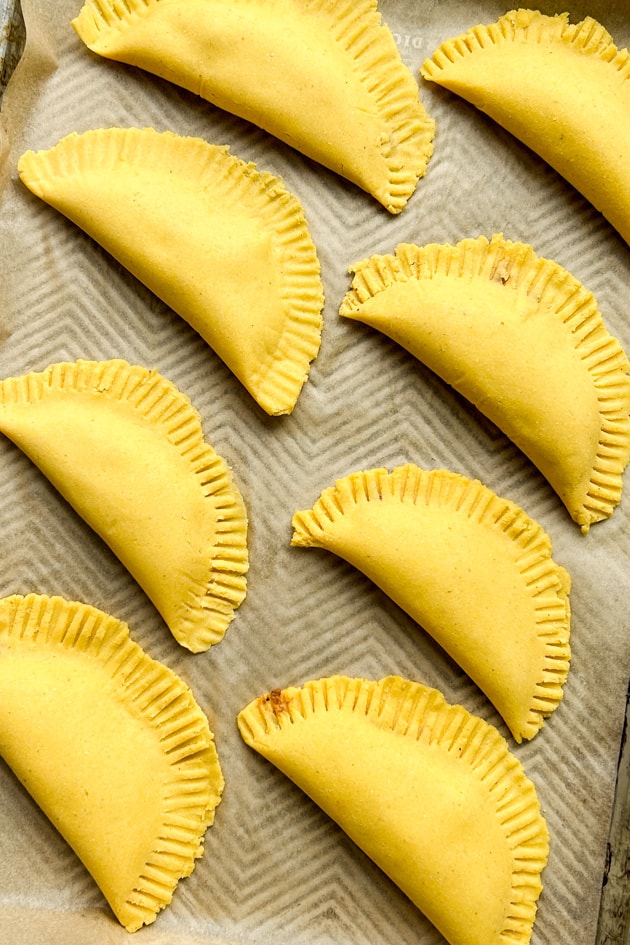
<point x="428" y="791"/>
<point x="325" y="78"/>
<point x="562" y="89"/>
<point x="111" y="745"/>
<point x="523" y="340"/>
<point x="224" y="245"/>
<point x="125" y="447"/>
<point x="474" y="570"/>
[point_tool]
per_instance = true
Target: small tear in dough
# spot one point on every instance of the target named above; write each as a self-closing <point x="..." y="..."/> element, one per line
<point x="325" y="78"/>
<point x="126" y="449"/>
<point x="224" y="245"/>
<point x="428" y="791"/>
<point x="472" y="569"/>
<point x="525" y="342"/>
<point x="111" y="745"/>
<point x="562" y="89"/>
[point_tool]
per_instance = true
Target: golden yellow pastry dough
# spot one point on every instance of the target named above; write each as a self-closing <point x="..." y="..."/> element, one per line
<point x="428" y="791"/>
<point x="474" y="570"/>
<point x="111" y="745"/>
<point x="125" y="447"/>
<point x="325" y="78"/>
<point x="523" y="340"/>
<point x="562" y="89"/>
<point x="225" y="246"/>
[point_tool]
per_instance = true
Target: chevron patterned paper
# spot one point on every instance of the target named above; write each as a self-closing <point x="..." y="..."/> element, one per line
<point x="275" y="868"/>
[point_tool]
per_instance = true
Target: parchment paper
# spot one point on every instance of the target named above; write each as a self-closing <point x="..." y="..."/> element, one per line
<point x="275" y="868"/>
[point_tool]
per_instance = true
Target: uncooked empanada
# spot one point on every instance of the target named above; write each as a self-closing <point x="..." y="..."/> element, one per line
<point x="428" y="791"/>
<point x="111" y="745"/>
<point x="474" y="570"/>
<point x="325" y="78"/>
<point x="523" y="340"/>
<point x="224" y="245"/>
<point x="125" y="447"/>
<point x="562" y="89"/>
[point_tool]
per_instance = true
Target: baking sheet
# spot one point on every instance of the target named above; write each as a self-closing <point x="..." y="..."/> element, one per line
<point x="275" y="868"/>
<point x="11" y="39"/>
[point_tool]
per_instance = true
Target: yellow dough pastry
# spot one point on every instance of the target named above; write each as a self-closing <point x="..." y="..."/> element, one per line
<point x="111" y="745"/>
<point x="562" y="89"/>
<point x="224" y="245"/>
<point x="428" y="791"/>
<point x="524" y="341"/>
<point x="125" y="447"/>
<point x="325" y="78"/>
<point x="473" y="569"/>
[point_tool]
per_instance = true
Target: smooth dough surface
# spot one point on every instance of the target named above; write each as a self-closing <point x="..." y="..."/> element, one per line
<point x="126" y="449"/>
<point x="428" y="791"/>
<point x="111" y="745"/>
<point x="525" y="342"/>
<point x="470" y="568"/>
<point x="562" y="89"/>
<point x="325" y="78"/>
<point x="225" y="246"/>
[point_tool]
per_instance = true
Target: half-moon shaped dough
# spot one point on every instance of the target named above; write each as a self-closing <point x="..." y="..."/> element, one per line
<point x="325" y="78"/>
<point x="474" y="570"/>
<point x="428" y="791"/>
<point x="524" y="341"/>
<point x="224" y="245"/>
<point x="111" y="745"/>
<point x="562" y="89"/>
<point x="125" y="447"/>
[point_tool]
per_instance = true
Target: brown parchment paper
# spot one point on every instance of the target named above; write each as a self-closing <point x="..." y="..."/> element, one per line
<point x="275" y="868"/>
